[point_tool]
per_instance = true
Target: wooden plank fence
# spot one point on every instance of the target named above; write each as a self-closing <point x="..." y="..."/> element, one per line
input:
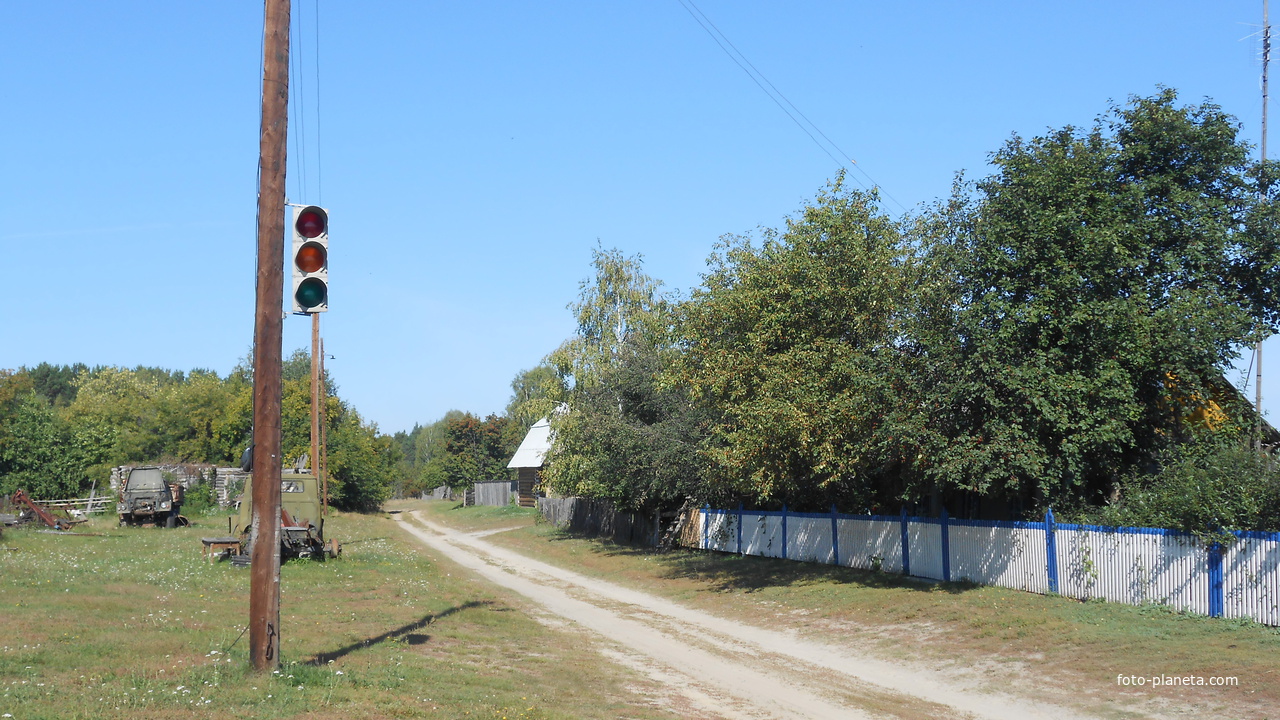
<point x="88" y="506"/>
<point x="599" y="518"/>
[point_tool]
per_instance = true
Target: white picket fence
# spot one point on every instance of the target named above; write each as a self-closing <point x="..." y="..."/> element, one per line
<point x="1126" y="565"/>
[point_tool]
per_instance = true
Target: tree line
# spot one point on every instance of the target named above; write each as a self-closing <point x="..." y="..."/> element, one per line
<point x="1058" y="333"/>
<point x="62" y="427"/>
<point x="1055" y="334"/>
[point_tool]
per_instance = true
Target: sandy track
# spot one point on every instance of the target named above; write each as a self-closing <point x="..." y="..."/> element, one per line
<point x="723" y="667"/>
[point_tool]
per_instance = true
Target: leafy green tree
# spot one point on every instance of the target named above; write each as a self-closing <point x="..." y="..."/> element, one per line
<point x="45" y="455"/>
<point x="1105" y="280"/>
<point x="1205" y="487"/>
<point x="361" y="461"/>
<point x="476" y="450"/>
<point x="535" y="394"/>
<point x="125" y="402"/>
<point x="14" y="386"/>
<point x="204" y="418"/>
<point x="56" y="383"/>
<point x="798" y="343"/>
<point x="620" y="304"/>
<point x="627" y="436"/>
<point x="430" y="454"/>
<point x="632" y="438"/>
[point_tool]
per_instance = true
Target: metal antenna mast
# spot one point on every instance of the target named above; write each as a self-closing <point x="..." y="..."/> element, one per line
<point x="1257" y="358"/>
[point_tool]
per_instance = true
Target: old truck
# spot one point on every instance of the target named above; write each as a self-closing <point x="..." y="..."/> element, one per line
<point x="147" y="498"/>
<point x="301" y="520"/>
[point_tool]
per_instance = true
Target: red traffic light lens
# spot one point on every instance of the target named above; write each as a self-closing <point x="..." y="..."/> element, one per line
<point x="311" y="223"/>
<point x="310" y="257"/>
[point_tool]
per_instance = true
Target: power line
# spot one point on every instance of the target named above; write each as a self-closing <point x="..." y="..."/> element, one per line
<point x="778" y="97"/>
<point x="299" y="108"/>
<point x="319" y="166"/>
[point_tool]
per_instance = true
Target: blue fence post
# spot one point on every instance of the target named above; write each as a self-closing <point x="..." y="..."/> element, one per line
<point x="835" y="537"/>
<point x="906" y="545"/>
<point x="1215" y="580"/>
<point x="784" y="531"/>
<point x="706" y="526"/>
<point x="1051" y="550"/>
<point x="946" y="548"/>
<point x="739" y="528"/>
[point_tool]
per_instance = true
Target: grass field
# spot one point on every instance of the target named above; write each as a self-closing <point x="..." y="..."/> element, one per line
<point x="133" y="623"/>
<point x="1053" y="648"/>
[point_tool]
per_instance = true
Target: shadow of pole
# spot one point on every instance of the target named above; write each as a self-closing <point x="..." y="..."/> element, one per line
<point x="404" y="631"/>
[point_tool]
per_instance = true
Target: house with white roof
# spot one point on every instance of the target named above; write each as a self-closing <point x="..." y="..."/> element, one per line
<point x="529" y="459"/>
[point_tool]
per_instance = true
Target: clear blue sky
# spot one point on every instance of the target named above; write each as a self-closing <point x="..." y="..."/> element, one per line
<point x="472" y="154"/>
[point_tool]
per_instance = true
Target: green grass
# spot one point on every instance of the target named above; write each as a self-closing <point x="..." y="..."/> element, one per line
<point x="134" y="623"/>
<point x="474" y="518"/>
<point x="1057" y="644"/>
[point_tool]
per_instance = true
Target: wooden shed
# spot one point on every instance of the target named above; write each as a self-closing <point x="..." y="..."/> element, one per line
<point x="528" y="461"/>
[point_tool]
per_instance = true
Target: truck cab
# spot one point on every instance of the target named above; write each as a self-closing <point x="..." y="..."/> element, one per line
<point x="301" y="521"/>
<point x="147" y="498"/>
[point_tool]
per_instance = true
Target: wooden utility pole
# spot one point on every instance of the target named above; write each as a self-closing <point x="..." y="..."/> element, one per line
<point x="264" y="581"/>
<point x="324" y="444"/>
<point x="315" y="394"/>
<point x="1257" y="351"/>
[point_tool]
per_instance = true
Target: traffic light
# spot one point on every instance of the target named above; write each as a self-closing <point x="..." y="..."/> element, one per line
<point x="310" y="259"/>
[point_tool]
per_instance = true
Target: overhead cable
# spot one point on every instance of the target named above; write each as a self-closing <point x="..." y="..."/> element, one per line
<point x="778" y="98"/>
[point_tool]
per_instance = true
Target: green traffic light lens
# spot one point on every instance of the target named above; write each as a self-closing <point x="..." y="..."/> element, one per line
<point x="310" y="293"/>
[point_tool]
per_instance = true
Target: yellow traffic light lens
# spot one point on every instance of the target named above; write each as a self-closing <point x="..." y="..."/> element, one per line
<point x="310" y="257"/>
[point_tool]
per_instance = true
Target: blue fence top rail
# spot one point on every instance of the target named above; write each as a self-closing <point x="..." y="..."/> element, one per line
<point x="1015" y="524"/>
<point x="1122" y="530"/>
<point x="1011" y="524"/>
<point x="823" y="515"/>
<point x="1256" y="535"/>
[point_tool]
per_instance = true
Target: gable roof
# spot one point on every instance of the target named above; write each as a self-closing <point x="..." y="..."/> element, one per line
<point x="533" y="449"/>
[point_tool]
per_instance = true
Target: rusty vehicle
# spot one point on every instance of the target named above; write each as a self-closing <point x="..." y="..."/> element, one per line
<point x="34" y="511"/>
<point x="301" y="520"/>
<point x="148" y="498"/>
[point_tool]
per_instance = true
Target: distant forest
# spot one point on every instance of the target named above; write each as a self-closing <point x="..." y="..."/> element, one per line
<point x="62" y="427"/>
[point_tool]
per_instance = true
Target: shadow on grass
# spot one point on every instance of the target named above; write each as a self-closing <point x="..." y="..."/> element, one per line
<point x="748" y="573"/>
<point x="404" y="632"/>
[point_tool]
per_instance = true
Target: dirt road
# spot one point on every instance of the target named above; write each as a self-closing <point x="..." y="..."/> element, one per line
<point x="718" y="667"/>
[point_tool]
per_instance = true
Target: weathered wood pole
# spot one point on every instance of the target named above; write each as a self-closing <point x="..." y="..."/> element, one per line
<point x="315" y="395"/>
<point x="324" y="441"/>
<point x="264" y="581"/>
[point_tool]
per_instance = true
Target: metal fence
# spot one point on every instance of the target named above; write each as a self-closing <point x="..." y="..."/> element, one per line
<point x="1126" y="565"/>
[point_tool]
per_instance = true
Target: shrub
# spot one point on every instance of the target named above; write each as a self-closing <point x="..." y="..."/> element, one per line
<point x="1206" y="488"/>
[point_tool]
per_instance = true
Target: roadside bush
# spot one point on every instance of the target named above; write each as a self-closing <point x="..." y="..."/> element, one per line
<point x="201" y="499"/>
<point x="1205" y="488"/>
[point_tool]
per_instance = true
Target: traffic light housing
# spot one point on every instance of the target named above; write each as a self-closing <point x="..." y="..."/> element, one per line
<point x="310" y="259"/>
